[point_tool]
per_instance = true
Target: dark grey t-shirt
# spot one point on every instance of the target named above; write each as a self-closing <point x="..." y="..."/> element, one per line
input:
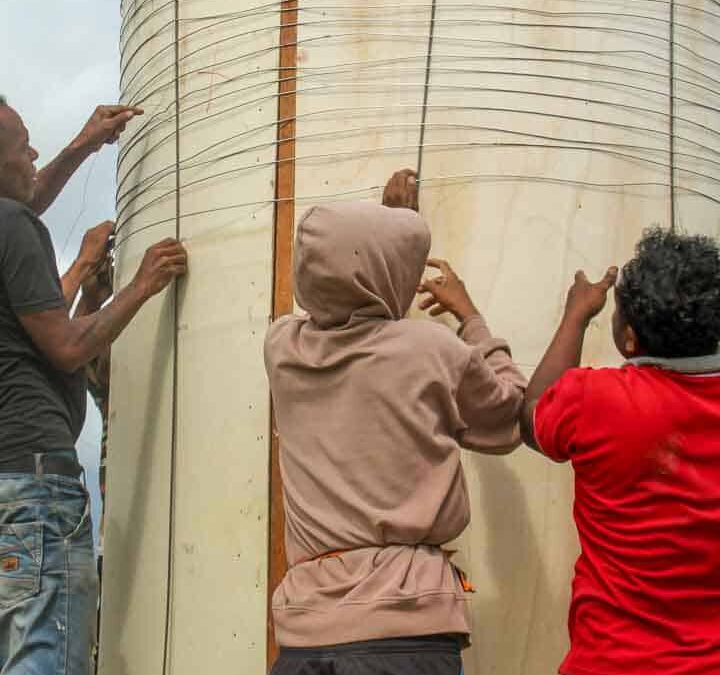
<point x="41" y="408"/>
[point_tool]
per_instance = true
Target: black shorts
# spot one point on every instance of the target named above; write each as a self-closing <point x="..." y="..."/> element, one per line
<point x="435" y="655"/>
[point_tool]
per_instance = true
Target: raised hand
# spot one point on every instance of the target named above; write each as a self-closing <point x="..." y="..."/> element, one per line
<point x="401" y="190"/>
<point x="585" y="299"/>
<point x="105" y="126"/>
<point x="447" y="293"/>
<point x="94" y="247"/>
<point x="162" y="263"/>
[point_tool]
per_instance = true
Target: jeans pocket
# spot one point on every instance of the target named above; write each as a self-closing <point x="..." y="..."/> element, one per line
<point x="21" y="548"/>
<point x="82" y="526"/>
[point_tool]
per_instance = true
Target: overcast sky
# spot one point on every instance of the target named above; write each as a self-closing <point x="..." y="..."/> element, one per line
<point x="59" y="60"/>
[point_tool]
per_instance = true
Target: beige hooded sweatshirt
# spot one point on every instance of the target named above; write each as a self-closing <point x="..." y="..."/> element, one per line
<point x="372" y="410"/>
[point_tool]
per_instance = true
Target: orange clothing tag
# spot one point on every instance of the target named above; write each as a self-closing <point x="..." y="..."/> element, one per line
<point x="464" y="581"/>
<point x="331" y="554"/>
<point x="10" y="564"/>
<point x="462" y="577"/>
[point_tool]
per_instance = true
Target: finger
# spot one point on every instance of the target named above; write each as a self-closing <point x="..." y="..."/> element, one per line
<point x="437" y="311"/>
<point x="170" y="255"/>
<point x="427" y="304"/>
<point x="441" y="265"/>
<point x="177" y="270"/>
<point x="174" y="248"/>
<point x="117" y="109"/>
<point x="168" y="241"/>
<point x="413" y="189"/>
<point x="171" y="260"/>
<point x="115" y="136"/>
<point x="120" y="120"/>
<point x="608" y="281"/>
<point x="404" y="174"/>
<point x="581" y="277"/>
<point x="397" y="181"/>
<point x="390" y="194"/>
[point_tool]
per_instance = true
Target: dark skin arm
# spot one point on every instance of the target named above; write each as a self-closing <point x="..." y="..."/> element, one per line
<point x="69" y="344"/>
<point x="96" y="289"/>
<point x="92" y="253"/>
<point x="585" y="301"/>
<point x="104" y="126"/>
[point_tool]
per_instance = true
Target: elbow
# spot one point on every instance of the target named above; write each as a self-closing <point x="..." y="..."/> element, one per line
<point x="526" y="433"/>
<point x="526" y="424"/>
<point x="503" y="450"/>
<point x="511" y="444"/>
<point x="67" y="360"/>
<point x="492" y="442"/>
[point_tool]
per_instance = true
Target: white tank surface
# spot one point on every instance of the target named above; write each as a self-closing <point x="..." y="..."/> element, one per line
<point x="548" y="135"/>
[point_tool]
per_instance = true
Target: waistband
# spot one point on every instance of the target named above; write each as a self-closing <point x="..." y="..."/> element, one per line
<point x="465" y="582"/>
<point x="445" y="643"/>
<point x="60" y="463"/>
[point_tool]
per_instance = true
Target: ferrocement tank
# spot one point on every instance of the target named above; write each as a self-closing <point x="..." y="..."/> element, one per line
<point x="548" y="135"/>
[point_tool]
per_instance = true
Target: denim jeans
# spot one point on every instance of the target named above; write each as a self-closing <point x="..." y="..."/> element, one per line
<point x="48" y="580"/>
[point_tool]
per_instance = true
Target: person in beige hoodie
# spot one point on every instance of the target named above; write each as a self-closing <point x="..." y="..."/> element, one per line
<point x="372" y="409"/>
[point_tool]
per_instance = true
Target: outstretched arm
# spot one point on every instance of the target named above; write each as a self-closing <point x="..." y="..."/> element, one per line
<point x="490" y="394"/>
<point x="70" y="344"/>
<point x="585" y="300"/>
<point x="93" y="251"/>
<point x="104" y="126"/>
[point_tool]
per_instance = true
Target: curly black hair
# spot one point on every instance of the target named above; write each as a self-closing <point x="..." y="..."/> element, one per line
<point x="669" y="293"/>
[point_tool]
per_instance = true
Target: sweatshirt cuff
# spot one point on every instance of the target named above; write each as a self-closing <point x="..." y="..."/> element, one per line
<point x="474" y="330"/>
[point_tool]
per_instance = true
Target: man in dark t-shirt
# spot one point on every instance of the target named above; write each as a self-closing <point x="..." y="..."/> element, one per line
<point x="48" y="585"/>
<point x="30" y="283"/>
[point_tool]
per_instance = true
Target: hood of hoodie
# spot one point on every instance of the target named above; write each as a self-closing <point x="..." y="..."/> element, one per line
<point x="357" y="261"/>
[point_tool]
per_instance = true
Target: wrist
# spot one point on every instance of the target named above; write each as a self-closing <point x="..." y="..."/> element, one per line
<point x="79" y="148"/>
<point x="82" y="267"/>
<point x="139" y="290"/>
<point x="577" y="318"/>
<point x="93" y="297"/>
<point x="465" y="312"/>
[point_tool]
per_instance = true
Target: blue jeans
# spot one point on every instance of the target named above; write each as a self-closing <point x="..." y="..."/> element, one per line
<point x="48" y="580"/>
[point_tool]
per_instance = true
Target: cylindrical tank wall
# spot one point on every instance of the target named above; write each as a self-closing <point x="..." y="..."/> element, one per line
<point x="543" y="131"/>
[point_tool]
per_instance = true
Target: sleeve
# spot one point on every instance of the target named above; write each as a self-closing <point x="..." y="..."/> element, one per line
<point x="557" y="415"/>
<point x="275" y="338"/>
<point x="491" y="391"/>
<point x="27" y="275"/>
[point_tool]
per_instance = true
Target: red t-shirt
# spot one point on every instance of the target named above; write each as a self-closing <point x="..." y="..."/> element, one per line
<point x="645" y="447"/>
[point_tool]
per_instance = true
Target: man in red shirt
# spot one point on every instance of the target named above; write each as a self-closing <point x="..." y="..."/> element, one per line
<point x="644" y="441"/>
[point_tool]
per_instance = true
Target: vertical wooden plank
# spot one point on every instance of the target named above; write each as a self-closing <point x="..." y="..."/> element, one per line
<point x="282" y="282"/>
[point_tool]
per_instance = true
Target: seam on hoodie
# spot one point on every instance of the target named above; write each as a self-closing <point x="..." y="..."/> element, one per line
<point x="373" y="601"/>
